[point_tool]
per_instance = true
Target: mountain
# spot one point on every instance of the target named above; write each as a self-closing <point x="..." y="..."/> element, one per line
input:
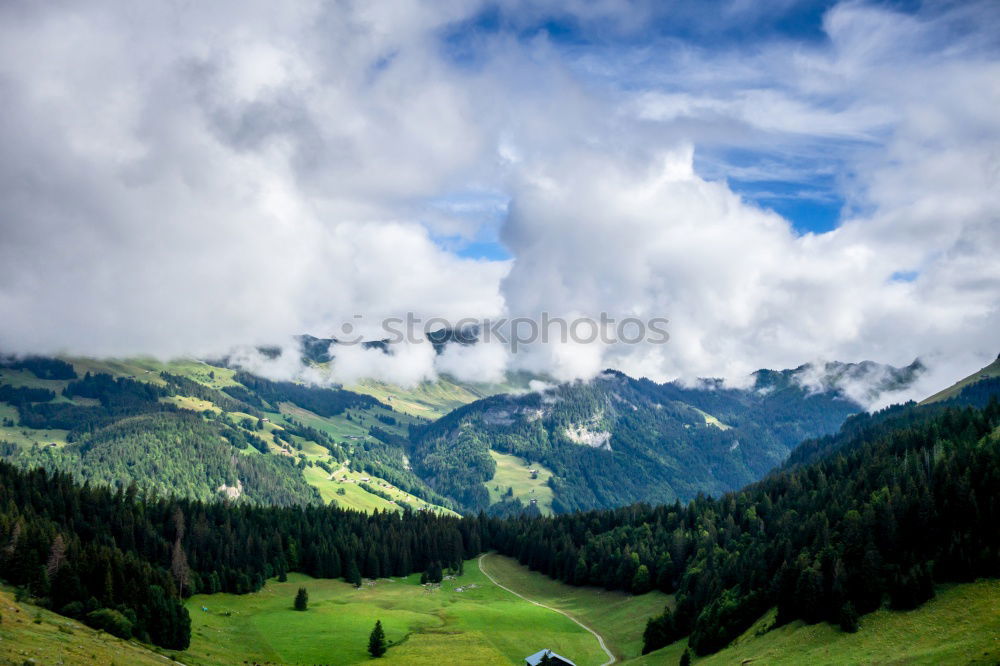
<point x="204" y="431"/>
<point x="990" y="372"/>
<point x="617" y="440"/>
<point x="906" y="501"/>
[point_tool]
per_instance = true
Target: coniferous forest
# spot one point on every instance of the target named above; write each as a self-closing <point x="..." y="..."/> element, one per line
<point x="876" y="514"/>
<point x="901" y="500"/>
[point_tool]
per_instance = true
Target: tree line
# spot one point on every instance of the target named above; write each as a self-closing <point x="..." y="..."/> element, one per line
<point x="125" y="558"/>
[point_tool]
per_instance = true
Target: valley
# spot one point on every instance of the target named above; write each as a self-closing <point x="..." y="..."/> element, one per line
<point x="500" y="333"/>
<point x="466" y="615"/>
<point x="642" y="577"/>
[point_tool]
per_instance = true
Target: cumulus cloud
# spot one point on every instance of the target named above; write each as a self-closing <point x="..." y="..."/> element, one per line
<point x="183" y="181"/>
<point x="180" y="181"/>
<point x="484" y="362"/>
<point x="623" y="231"/>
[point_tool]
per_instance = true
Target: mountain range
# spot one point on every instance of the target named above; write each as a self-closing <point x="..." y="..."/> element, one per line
<point x="202" y="430"/>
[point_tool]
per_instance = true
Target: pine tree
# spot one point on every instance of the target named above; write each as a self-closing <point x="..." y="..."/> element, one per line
<point x="376" y="641"/>
<point x="301" y="599"/>
<point x="179" y="566"/>
<point x="353" y="574"/>
<point x="433" y="574"/>
<point x="641" y="582"/>
<point x="848" y="618"/>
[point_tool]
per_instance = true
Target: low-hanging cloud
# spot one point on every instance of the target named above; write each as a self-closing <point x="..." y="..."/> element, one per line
<point x="186" y="181"/>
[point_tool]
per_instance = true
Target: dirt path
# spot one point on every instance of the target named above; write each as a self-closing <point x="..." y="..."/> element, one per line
<point x="611" y="657"/>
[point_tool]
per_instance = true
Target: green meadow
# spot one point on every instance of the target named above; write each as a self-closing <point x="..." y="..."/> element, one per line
<point x="428" y="400"/>
<point x="514" y="473"/>
<point x="453" y="623"/>
<point x="618" y="617"/>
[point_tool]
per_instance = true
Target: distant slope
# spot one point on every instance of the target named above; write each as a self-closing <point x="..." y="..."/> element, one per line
<point x="961" y="625"/>
<point x="205" y="431"/>
<point x="429" y="400"/>
<point x="991" y="371"/>
<point x="616" y="440"/>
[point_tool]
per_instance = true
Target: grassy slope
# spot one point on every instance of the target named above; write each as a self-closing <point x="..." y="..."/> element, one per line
<point x="992" y="370"/>
<point x="711" y="420"/>
<point x="357" y="498"/>
<point x="485" y="625"/>
<point x="513" y="472"/>
<point x="57" y="639"/>
<point x="960" y="626"/>
<point x="429" y="400"/>
<point x="27" y="436"/>
<point x="147" y="370"/>
<point x="618" y="617"/>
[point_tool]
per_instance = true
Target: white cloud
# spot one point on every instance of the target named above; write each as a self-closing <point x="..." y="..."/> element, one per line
<point x="486" y="362"/>
<point x="182" y="181"/>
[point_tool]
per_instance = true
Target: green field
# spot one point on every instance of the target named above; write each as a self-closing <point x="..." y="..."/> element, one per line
<point x="429" y="400"/>
<point x="27" y="436"/>
<point x="357" y="498"/>
<point x="514" y="473"/>
<point x="960" y="626"/>
<point x="483" y="625"/>
<point x="618" y="617"/>
<point x="712" y="421"/>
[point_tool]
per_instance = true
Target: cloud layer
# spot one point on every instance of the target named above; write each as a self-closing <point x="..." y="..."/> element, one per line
<point x="183" y="180"/>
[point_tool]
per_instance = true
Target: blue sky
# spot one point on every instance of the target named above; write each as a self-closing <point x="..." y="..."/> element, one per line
<point x="804" y="186"/>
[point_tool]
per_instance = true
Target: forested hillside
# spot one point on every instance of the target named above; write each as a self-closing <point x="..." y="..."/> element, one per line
<point x="122" y="560"/>
<point x="894" y="503"/>
<point x="201" y="431"/>
<point x="617" y="440"/>
<point x="900" y="500"/>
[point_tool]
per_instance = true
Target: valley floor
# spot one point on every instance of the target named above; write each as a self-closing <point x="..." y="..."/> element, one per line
<point x="619" y="618"/>
<point x="466" y="620"/>
<point x="470" y="620"/>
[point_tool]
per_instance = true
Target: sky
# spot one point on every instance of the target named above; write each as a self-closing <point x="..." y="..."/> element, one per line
<point x="785" y="181"/>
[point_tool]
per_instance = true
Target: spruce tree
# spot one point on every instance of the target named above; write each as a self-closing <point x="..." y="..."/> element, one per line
<point x="848" y="618"/>
<point x="376" y="641"/>
<point x="353" y="574"/>
<point x="301" y="599"/>
<point x="640" y="582"/>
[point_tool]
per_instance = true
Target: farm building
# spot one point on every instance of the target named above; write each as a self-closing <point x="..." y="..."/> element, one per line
<point x="553" y="658"/>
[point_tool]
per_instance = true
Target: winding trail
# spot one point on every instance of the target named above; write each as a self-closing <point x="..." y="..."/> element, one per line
<point x="611" y="657"/>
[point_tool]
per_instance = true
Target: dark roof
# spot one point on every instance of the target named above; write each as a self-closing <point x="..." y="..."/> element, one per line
<point x="554" y="658"/>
